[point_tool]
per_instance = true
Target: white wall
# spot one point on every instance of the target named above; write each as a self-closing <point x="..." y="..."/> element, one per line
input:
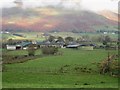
<point x="11" y="47"/>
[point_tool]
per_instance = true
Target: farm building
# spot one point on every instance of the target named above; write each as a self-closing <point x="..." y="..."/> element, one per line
<point x="19" y="46"/>
<point x="87" y="47"/>
<point x="72" y="45"/>
<point x="24" y="45"/>
<point x="11" y="47"/>
<point x="47" y="43"/>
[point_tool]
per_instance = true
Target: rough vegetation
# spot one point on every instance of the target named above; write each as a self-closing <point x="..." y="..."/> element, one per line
<point x="49" y="50"/>
<point x="31" y="50"/>
<point x="110" y="65"/>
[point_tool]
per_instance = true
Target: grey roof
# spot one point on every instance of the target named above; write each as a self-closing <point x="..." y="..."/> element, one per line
<point x="23" y="44"/>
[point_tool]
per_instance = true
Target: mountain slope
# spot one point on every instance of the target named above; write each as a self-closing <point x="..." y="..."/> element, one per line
<point x="110" y="15"/>
<point x="48" y="19"/>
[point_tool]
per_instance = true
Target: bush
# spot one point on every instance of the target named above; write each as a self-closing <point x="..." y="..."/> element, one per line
<point x="31" y="50"/>
<point x="104" y="67"/>
<point x="110" y="66"/>
<point x="49" y="50"/>
<point x="114" y="67"/>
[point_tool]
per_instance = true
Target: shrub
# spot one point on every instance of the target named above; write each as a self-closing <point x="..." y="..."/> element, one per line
<point x="110" y="66"/>
<point x="114" y="67"/>
<point x="104" y="67"/>
<point x="31" y="50"/>
<point x="49" y="50"/>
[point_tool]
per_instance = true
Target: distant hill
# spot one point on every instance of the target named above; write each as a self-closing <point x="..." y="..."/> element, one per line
<point x="109" y="15"/>
<point x="55" y="19"/>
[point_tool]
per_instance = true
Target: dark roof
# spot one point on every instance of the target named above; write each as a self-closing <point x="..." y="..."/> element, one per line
<point x="87" y="45"/>
<point x="23" y="44"/>
<point x="83" y="45"/>
<point x="92" y="45"/>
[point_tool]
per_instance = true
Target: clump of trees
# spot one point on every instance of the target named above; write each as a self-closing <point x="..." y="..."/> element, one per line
<point x="51" y="38"/>
<point x="69" y="39"/>
<point x="107" y="40"/>
<point x="60" y="39"/>
<point x="49" y="50"/>
<point x="114" y="68"/>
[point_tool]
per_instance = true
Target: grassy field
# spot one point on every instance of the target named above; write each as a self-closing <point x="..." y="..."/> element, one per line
<point x="77" y="35"/>
<point x="27" y="36"/>
<point x="39" y="37"/>
<point x="45" y="72"/>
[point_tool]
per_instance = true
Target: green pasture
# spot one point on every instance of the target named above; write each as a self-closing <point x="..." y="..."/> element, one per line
<point x="77" y="35"/>
<point x="38" y="80"/>
<point x="27" y="36"/>
<point x="44" y="72"/>
<point x="39" y="37"/>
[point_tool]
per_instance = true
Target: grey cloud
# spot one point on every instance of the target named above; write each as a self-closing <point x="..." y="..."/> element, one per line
<point x="16" y="11"/>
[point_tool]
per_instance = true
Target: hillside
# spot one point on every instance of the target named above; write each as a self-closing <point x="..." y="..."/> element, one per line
<point x="55" y="19"/>
<point x="109" y="15"/>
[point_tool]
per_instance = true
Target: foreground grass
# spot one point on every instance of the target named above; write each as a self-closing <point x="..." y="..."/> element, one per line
<point x="33" y="80"/>
<point x="44" y="72"/>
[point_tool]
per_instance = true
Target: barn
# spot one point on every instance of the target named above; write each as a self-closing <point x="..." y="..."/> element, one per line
<point x="22" y="45"/>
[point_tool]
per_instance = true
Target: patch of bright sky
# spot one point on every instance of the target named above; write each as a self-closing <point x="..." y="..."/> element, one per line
<point x="94" y="5"/>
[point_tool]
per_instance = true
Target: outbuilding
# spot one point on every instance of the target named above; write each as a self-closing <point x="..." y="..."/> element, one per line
<point x="11" y="47"/>
<point x="23" y="45"/>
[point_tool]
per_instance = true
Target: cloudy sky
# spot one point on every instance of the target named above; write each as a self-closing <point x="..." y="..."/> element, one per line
<point x="94" y="5"/>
